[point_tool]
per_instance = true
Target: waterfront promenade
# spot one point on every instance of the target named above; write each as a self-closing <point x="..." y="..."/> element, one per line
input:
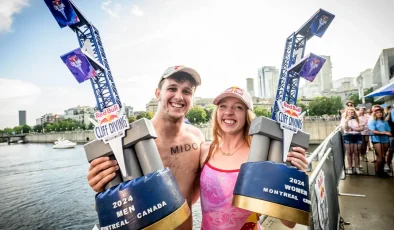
<point x="318" y="130"/>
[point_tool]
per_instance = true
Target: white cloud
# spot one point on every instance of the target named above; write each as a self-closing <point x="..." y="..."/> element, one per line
<point x="11" y="89"/>
<point x="136" y="11"/>
<point x="113" y="11"/>
<point x="8" y="8"/>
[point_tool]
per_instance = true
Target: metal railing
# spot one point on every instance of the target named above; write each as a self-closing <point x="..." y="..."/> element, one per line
<point x="329" y="155"/>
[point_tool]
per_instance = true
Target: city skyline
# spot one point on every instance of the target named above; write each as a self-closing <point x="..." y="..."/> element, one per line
<point x="143" y="38"/>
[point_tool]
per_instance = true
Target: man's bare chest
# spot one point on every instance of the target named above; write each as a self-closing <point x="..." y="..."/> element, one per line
<point x="180" y="154"/>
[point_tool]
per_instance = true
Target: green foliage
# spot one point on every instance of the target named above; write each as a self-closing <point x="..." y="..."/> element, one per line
<point x="302" y="105"/>
<point x="8" y="130"/>
<point x="357" y="101"/>
<point x="18" y="129"/>
<point x="325" y="105"/>
<point x="147" y="115"/>
<point x="209" y="110"/>
<point x="37" y="128"/>
<point x="131" y="119"/>
<point x="26" y="128"/>
<point x="261" y="111"/>
<point x="197" y="115"/>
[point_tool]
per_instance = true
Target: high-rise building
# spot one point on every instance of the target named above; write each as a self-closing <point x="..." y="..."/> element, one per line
<point x="22" y="117"/>
<point x="250" y="86"/>
<point x="267" y="81"/>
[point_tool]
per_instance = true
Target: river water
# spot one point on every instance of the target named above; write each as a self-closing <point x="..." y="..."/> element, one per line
<point x="46" y="188"/>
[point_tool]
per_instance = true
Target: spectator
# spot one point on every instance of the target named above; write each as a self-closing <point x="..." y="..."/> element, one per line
<point x="352" y="139"/>
<point x="380" y="139"/>
<point x="389" y="158"/>
<point x="363" y="117"/>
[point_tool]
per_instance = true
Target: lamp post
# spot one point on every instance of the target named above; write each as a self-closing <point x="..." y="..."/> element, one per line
<point x="360" y="88"/>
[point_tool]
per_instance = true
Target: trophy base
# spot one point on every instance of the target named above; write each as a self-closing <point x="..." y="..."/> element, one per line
<point x="173" y="220"/>
<point x="272" y="209"/>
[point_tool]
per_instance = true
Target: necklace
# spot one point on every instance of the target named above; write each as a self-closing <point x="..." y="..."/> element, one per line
<point x="230" y="154"/>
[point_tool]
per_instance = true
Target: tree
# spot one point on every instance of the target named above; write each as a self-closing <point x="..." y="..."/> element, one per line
<point x="131" y="119"/>
<point x="261" y="111"/>
<point x="303" y="106"/>
<point x="197" y="115"/>
<point x="91" y="126"/>
<point x="209" y="110"/>
<point x="325" y="105"/>
<point x="147" y="115"/>
<point x="49" y="128"/>
<point x="37" y="128"/>
<point x="18" y="129"/>
<point x="357" y="101"/>
<point x="26" y="128"/>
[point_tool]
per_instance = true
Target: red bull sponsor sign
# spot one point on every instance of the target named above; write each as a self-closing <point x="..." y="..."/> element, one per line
<point x="111" y="124"/>
<point x="289" y="116"/>
<point x="290" y="119"/>
<point x="110" y="128"/>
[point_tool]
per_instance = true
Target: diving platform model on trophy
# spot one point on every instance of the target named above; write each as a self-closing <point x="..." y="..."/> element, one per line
<point x="266" y="184"/>
<point x="144" y="195"/>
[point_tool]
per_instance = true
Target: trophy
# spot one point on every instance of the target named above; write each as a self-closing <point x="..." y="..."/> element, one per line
<point x="144" y="195"/>
<point x="266" y="184"/>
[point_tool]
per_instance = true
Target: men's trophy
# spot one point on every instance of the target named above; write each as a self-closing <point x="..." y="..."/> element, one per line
<point x="144" y="195"/>
<point x="265" y="184"/>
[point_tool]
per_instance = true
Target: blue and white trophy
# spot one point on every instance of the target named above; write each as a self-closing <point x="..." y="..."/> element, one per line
<point x="267" y="185"/>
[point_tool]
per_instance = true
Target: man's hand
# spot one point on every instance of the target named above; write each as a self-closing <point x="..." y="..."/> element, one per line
<point x="297" y="158"/>
<point x="101" y="171"/>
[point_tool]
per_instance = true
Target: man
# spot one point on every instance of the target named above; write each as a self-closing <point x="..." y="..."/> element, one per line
<point x="178" y="143"/>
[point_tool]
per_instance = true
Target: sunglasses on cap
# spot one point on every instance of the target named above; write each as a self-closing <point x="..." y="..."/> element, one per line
<point x="349" y="104"/>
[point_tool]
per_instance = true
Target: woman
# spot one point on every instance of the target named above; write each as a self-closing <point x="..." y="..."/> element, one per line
<point x="380" y="139"/>
<point x="364" y="118"/>
<point x="352" y="139"/>
<point x="222" y="159"/>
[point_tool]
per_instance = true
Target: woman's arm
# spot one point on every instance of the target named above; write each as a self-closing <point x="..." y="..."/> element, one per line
<point x="204" y="148"/>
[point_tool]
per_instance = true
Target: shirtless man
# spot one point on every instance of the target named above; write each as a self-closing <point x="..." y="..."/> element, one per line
<point x="178" y="143"/>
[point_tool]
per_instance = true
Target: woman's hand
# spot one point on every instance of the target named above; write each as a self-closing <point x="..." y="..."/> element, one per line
<point x="101" y="171"/>
<point x="297" y="158"/>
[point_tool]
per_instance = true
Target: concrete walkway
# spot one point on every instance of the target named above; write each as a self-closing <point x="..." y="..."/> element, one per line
<point x="376" y="210"/>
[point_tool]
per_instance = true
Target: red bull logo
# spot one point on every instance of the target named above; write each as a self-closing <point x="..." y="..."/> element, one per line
<point x="235" y="89"/>
<point x="113" y="110"/>
<point x="289" y="116"/>
<point x="293" y="108"/>
<point x="56" y="2"/>
<point x="324" y="18"/>
<point x="108" y="118"/>
<point x="73" y="58"/>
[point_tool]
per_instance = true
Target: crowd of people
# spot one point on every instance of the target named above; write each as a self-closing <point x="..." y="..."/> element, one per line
<point x="362" y="127"/>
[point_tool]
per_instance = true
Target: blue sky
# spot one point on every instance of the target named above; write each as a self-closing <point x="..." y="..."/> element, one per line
<point x="225" y="41"/>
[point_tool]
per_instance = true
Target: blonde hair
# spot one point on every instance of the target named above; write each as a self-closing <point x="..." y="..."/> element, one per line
<point x="355" y="114"/>
<point x="374" y="113"/>
<point x="217" y="132"/>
